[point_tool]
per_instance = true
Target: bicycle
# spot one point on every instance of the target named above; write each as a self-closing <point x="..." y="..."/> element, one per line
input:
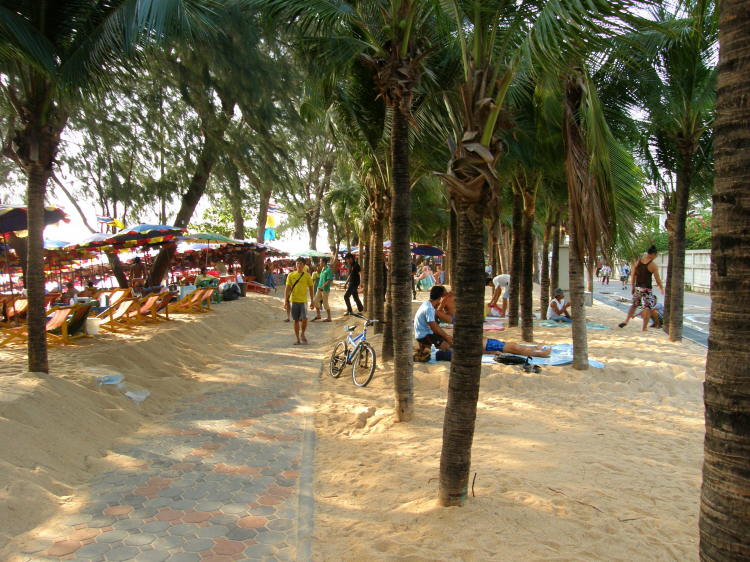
<point x="357" y="352"/>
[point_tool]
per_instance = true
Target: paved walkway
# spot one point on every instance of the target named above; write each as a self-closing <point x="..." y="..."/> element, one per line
<point x="226" y="476"/>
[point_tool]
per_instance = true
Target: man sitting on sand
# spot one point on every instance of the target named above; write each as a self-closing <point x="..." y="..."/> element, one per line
<point x="558" y="308"/>
<point x="298" y="284"/>
<point x="426" y="329"/>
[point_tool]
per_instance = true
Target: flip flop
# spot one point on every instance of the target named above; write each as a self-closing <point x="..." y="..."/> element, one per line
<point x="327" y="320"/>
<point x="286" y="320"/>
<point x="297" y="343"/>
<point x="622" y="324"/>
<point x="314" y="319"/>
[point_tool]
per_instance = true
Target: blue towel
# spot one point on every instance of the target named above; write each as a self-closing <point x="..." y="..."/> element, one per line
<point x="562" y="354"/>
<point x="589" y="325"/>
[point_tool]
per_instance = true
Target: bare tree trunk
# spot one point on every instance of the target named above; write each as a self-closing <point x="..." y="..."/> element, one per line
<point x="725" y="501"/>
<point x="668" y="282"/>
<point x="544" y="292"/>
<point x="401" y="268"/>
<point x="554" y="276"/>
<point x="466" y="363"/>
<point x="677" y="273"/>
<point x="117" y="270"/>
<point x="515" y="260"/>
<point x="577" y="308"/>
<point x="386" y="352"/>
<point x="377" y="277"/>
<point x="526" y="283"/>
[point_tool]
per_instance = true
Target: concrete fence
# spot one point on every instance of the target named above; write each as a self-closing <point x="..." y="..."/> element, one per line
<point x="697" y="269"/>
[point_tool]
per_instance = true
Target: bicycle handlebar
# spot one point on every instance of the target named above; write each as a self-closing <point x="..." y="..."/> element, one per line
<point x="368" y="322"/>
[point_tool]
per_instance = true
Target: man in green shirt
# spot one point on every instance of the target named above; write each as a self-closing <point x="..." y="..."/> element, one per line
<point x="298" y="283"/>
<point x="324" y="287"/>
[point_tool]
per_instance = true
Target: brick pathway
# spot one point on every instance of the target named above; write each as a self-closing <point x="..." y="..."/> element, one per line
<point x="218" y="480"/>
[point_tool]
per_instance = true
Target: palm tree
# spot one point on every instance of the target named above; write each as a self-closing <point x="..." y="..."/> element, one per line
<point x="674" y="76"/>
<point x="54" y="51"/>
<point x="497" y="39"/>
<point x="725" y="501"/>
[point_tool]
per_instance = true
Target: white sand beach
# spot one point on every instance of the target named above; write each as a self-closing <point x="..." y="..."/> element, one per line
<point x="596" y="465"/>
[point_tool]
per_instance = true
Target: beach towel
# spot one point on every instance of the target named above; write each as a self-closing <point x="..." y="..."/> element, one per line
<point x="562" y="354"/>
<point x="589" y="325"/>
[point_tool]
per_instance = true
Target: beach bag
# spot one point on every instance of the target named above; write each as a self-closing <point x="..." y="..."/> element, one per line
<point x="510" y="359"/>
<point x="231" y="292"/>
<point x="443" y="355"/>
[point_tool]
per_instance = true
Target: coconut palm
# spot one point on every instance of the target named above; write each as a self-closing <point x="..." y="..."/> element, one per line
<point x="53" y="52"/>
<point x="497" y="38"/>
<point x="725" y="502"/>
<point x="674" y="76"/>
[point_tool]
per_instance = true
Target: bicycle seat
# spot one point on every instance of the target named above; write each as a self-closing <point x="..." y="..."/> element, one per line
<point x="350" y="328"/>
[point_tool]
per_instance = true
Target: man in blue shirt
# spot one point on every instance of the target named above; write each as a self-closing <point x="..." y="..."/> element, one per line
<point x="426" y="329"/>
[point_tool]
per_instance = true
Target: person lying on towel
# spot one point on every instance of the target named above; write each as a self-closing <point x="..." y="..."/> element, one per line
<point x="499" y="346"/>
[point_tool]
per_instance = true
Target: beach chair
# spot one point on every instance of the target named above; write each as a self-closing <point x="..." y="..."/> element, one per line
<point x="255" y="287"/>
<point x="56" y="327"/>
<point x="118" y="295"/>
<point x="150" y="306"/>
<point x="74" y="326"/>
<point x="119" y="317"/>
<point x="15" y="309"/>
<point x="196" y="301"/>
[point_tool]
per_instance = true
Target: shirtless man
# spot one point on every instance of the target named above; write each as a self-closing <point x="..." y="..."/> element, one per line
<point x="643" y="295"/>
<point x="137" y="274"/>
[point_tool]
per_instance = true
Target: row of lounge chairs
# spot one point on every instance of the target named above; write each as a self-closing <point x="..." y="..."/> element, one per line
<point x="67" y="323"/>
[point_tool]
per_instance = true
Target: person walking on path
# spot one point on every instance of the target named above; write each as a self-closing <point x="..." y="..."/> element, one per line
<point x="298" y="284"/>
<point x="352" y="285"/>
<point x="624" y="275"/>
<point x="324" y="288"/>
<point x="643" y="295"/>
<point x="605" y="272"/>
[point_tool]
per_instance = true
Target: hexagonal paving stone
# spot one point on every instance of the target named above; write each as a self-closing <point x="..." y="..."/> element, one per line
<point x="168" y="542"/>
<point x="155" y="526"/>
<point x="259" y="551"/>
<point x="99" y="522"/>
<point x="281" y="524"/>
<point x="122" y="553"/>
<point x="152" y="556"/>
<point x="198" y="545"/>
<point x="139" y="539"/>
<point x="127" y="524"/>
<point x="252" y="522"/>
<point x="183" y="530"/>
<point x="111" y="536"/>
<point x="240" y="534"/>
<point x="212" y="531"/>
<point x="92" y="551"/>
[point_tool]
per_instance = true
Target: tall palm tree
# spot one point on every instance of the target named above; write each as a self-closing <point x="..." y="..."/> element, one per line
<point x="674" y="77"/>
<point x="53" y="52"/>
<point x="725" y="501"/>
<point x="497" y="38"/>
<point x="392" y="38"/>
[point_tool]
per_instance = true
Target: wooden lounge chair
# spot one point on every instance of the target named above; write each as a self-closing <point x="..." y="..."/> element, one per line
<point x="118" y="295"/>
<point x="119" y="317"/>
<point x="65" y="324"/>
<point x="149" y="308"/>
<point x="196" y="301"/>
<point x="15" y="309"/>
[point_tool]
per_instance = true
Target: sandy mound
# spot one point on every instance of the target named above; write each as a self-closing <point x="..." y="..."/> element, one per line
<point x="55" y="429"/>
<point x="596" y="465"/>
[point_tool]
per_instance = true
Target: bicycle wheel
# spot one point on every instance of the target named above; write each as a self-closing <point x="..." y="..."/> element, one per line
<point x="338" y="360"/>
<point x="363" y="366"/>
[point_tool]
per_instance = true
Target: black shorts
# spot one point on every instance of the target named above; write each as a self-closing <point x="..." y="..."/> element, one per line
<point x="431" y="339"/>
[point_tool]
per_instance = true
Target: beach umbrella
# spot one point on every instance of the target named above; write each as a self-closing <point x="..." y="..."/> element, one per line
<point x="14" y="218"/>
<point x="426" y="250"/>
<point x="209" y="238"/>
<point x="313" y="254"/>
<point x="145" y="233"/>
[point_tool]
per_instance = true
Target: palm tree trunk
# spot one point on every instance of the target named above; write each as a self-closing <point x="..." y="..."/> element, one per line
<point x="38" y="175"/>
<point x="401" y="268"/>
<point x="453" y="233"/>
<point x="117" y="270"/>
<point x="554" y="274"/>
<point x="365" y="252"/>
<point x="466" y="364"/>
<point x="725" y="501"/>
<point x="386" y="351"/>
<point x="378" y="279"/>
<point x="677" y="287"/>
<point x="544" y="282"/>
<point x="515" y="260"/>
<point x="526" y="281"/>
<point x="577" y="308"/>
<point x="668" y="282"/>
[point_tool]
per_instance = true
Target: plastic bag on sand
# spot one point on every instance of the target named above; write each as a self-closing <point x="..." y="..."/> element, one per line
<point x="136" y="393"/>
<point x="106" y="377"/>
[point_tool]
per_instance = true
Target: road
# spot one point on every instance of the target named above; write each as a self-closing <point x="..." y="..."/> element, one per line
<point x="697" y="309"/>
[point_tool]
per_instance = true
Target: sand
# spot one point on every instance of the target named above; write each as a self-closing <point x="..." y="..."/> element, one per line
<point x="595" y="465"/>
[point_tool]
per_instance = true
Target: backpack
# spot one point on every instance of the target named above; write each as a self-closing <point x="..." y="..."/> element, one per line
<point x="510" y="359"/>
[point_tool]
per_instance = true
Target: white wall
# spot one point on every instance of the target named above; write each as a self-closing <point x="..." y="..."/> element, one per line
<point x="697" y="269"/>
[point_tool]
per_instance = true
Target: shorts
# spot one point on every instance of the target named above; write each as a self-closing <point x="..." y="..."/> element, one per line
<point x="299" y="311"/>
<point x="431" y="339"/>
<point x="643" y="298"/>
<point x="321" y="299"/>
